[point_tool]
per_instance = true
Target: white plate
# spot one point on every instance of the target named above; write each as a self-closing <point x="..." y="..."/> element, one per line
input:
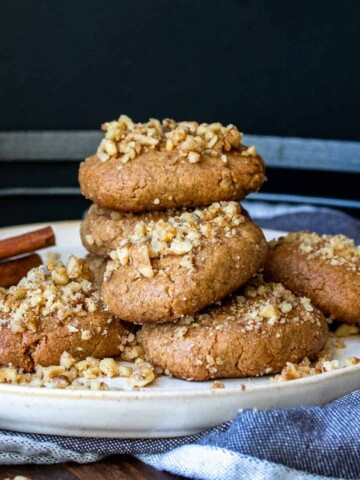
<point x="168" y="408"/>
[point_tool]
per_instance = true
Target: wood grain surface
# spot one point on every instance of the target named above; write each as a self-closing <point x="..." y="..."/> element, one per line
<point x="119" y="467"/>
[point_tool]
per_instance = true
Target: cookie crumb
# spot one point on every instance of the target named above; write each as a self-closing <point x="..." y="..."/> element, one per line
<point x="143" y="374"/>
<point x="52" y="257"/>
<point x="339" y="343"/>
<point x="217" y="384"/>
<point x="352" y="361"/>
<point x="345" y="330"/>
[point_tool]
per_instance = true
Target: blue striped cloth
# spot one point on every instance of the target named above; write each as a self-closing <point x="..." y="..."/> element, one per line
<point x="296" y="443"/>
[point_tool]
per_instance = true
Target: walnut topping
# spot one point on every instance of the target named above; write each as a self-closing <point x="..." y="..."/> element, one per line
<point x="259" y="303"/>
<point x="272" y="303"/>
<point x="179" y="235"/>
<point x="61" y="291"/>
<point x="306" y="304"/>
<point x="89" y="239"/>
<point x="126" y="140"/>
<point x="333" y="249"/>
<point x="251" y="151"/>
<point x="85" y="335"/>
<point x="142" y="375"/>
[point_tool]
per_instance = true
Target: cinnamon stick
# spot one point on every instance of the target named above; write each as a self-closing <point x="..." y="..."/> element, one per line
<point x="12" y="271"/>
<point x="26" y="243"/>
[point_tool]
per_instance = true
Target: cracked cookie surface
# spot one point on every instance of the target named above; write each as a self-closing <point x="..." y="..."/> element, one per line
<point x="255" y="332"/>
<point x="168" y="269"/>
<point x="324" y="268"/>
<point x="160" y="180"/>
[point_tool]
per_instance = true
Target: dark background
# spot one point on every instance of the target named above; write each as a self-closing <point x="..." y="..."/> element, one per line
<point x="271" y="67"/>
<point x="275" y="67"/>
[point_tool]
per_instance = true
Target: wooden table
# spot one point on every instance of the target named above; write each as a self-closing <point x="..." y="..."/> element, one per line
<point x="118" y="467"/>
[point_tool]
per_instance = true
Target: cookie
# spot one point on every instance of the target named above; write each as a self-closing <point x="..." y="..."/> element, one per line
<point x="49" y="313"/>
<point x="255" y="332"/>
<point x="102" y="229"/>
<point x="97" y="267"/>
<point x="158" y="166"/>
<point x="324" y="268"/>
<point x="168" y="269"/>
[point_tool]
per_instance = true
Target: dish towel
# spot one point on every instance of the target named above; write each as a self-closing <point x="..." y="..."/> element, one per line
<point x="288" y="444"/>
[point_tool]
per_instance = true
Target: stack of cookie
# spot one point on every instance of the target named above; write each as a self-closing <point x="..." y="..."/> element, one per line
<point x="172" y="242"/>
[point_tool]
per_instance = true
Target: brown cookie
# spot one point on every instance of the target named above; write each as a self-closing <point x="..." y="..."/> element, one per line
<point x="154" y="166"/>
<point x="255" y="332"/>
<point x="324" y="268"/>
<point x="168" y="269"/>
<point x="49" y="313"/>
<point x="102" y="229"/>
<point x="97" y="267"/>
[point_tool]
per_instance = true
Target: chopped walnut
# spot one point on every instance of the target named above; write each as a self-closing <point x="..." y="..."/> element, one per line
<point x="63" y="291"/>
<point x="89" y="239"/>
<point x="52" y="257"/>
<point x="72" y="374"/>
<point x="337" y="250"/>
<point x="98" y="385"/>
<point x="179" y="235"/>
<point x="272" y="303"/>
<point x="305" y="368"/>
<point x="217" y="385"/>
<point x="142" y="375"/>
<point x="345" y="330"/>
<point x="352" y="361"/>
<point x="251" y="151"/>
<point x="109" y="367"/>
<point x="294" y="371"/>
<point x="67" y="360"/>
<point x="9" y="375"/>
<point x="129" y="353"/>
<point x="126" y="140"/>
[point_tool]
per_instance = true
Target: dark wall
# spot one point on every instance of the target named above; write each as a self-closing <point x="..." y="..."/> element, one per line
<point x="280" y="67"/>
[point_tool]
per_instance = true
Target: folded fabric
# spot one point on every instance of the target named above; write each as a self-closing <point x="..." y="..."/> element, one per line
<point x="288" y="444"/>
<point x="303" y="217"/>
